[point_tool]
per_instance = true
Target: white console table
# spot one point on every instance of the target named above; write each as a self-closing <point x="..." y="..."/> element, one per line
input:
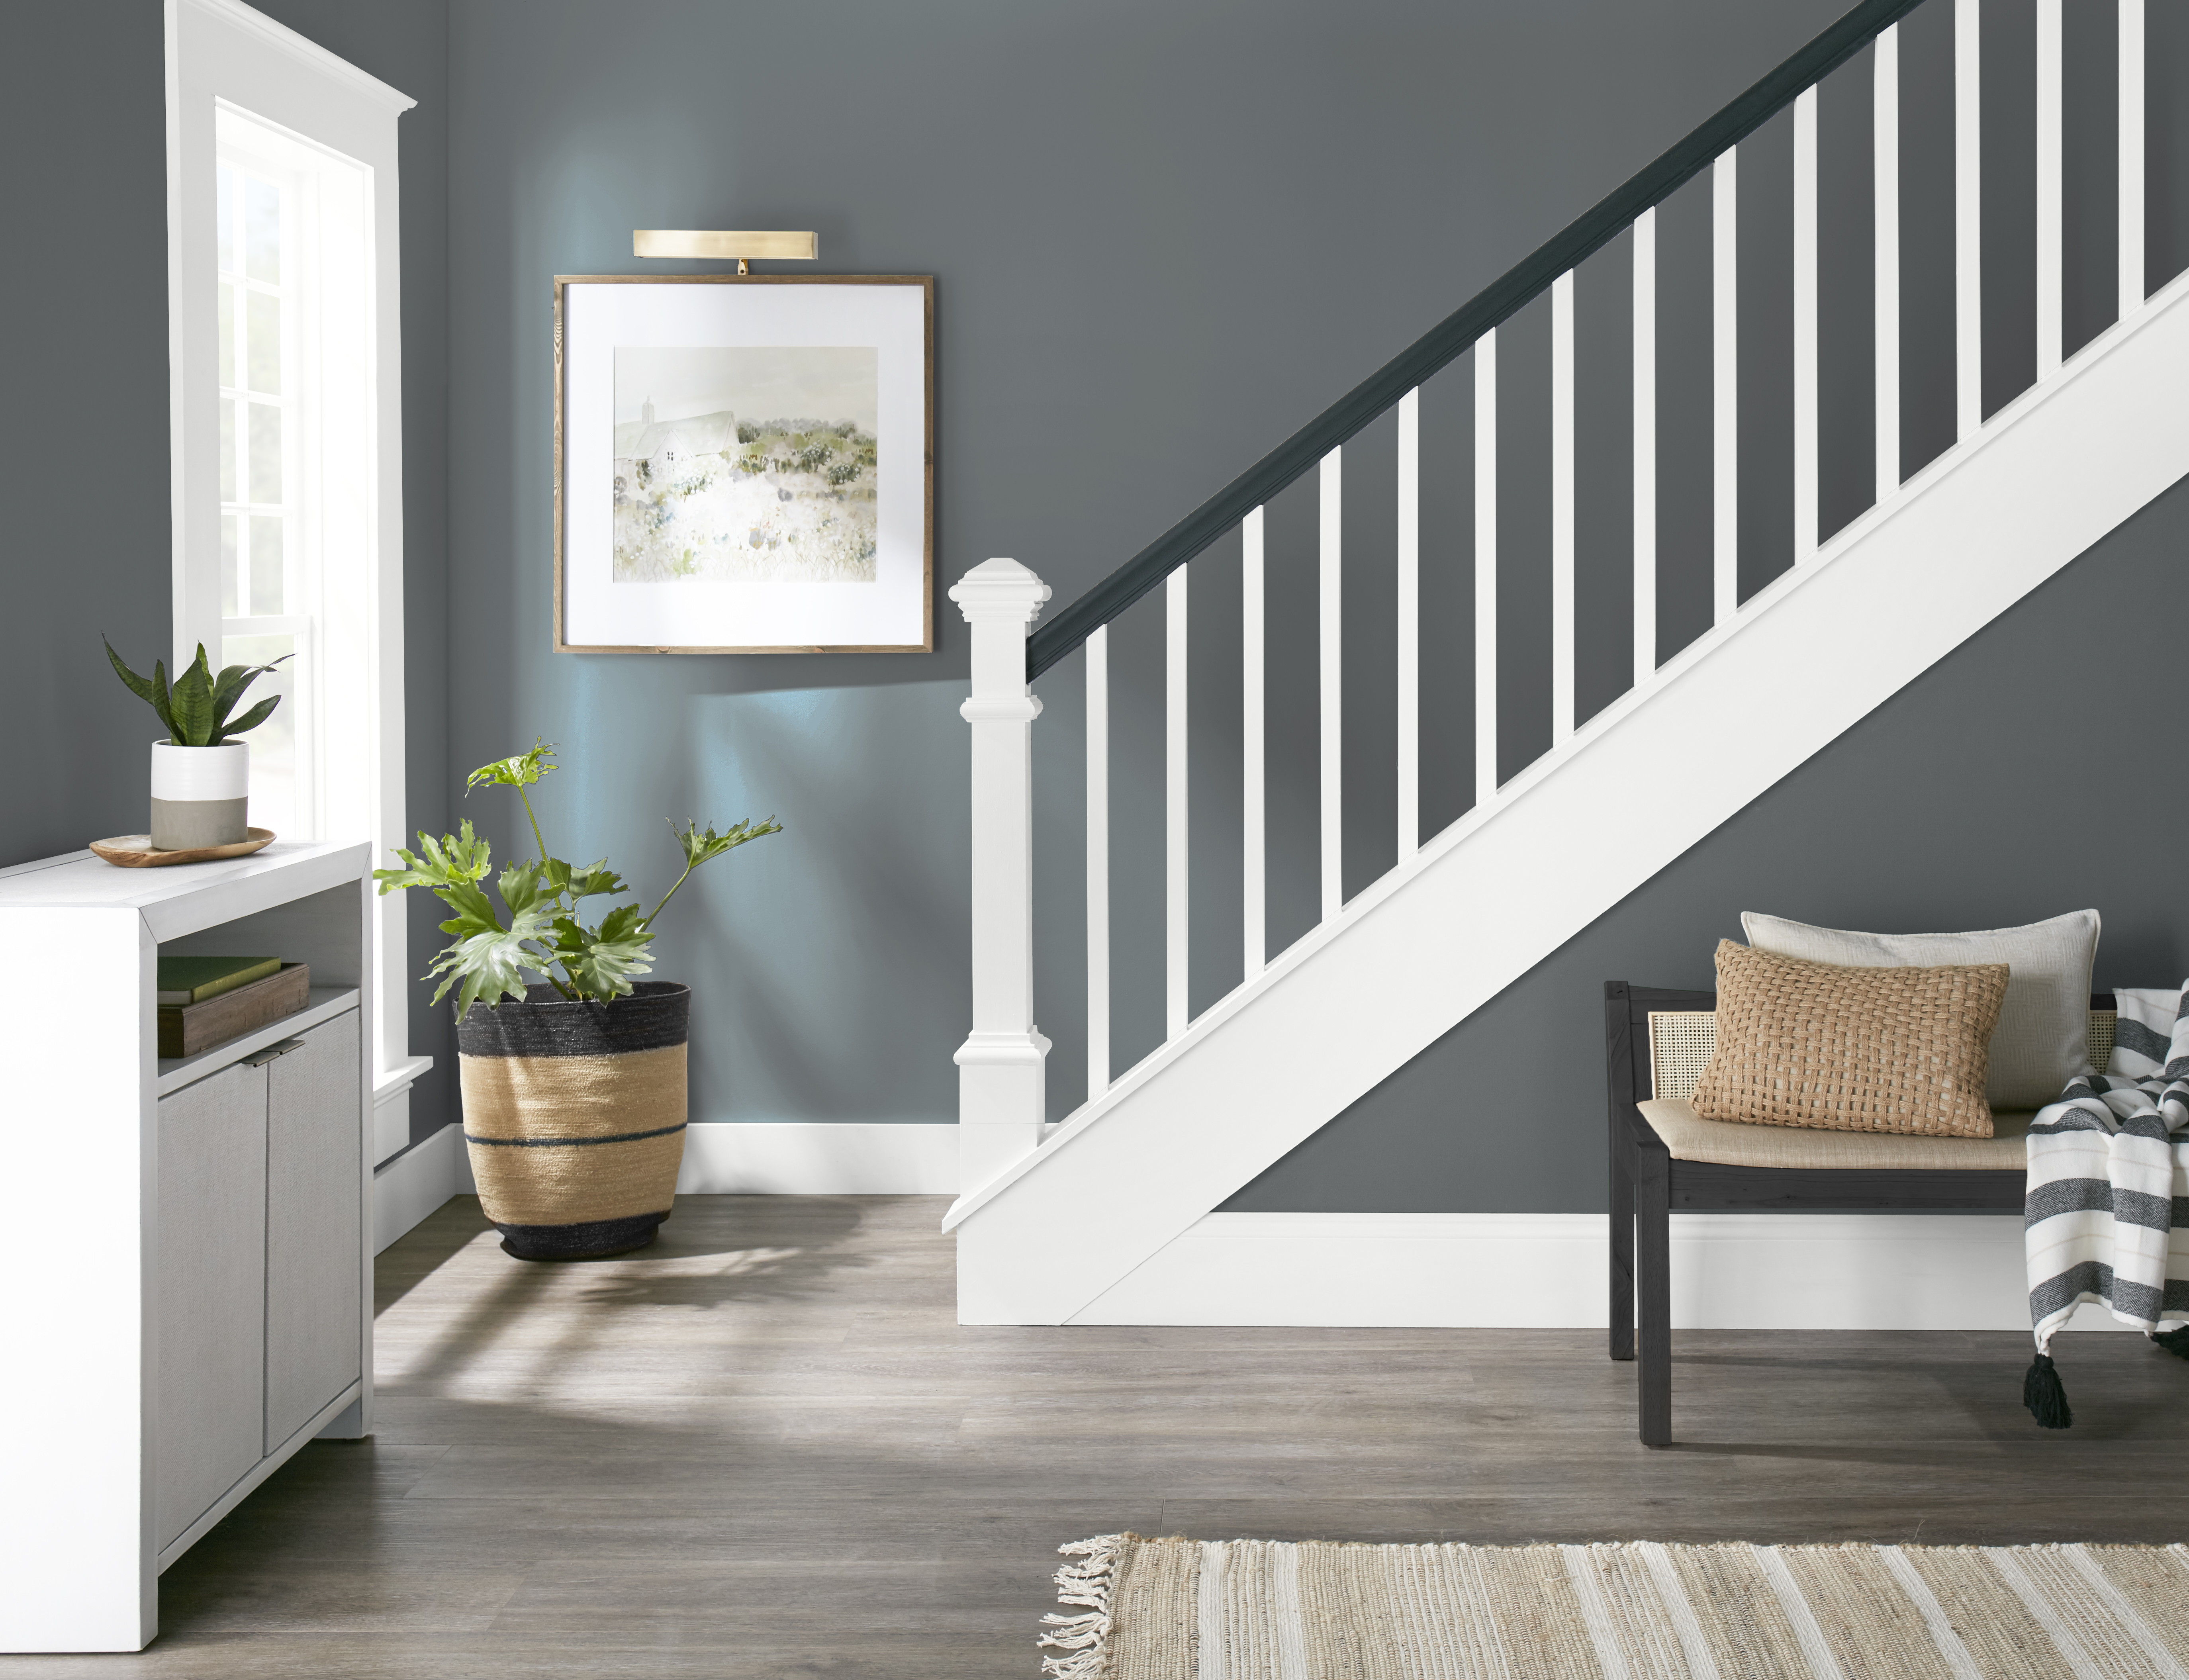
<point x="189" y="1300"/>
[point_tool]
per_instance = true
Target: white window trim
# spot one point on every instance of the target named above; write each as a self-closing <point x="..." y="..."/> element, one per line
<point x="223" y="51"/>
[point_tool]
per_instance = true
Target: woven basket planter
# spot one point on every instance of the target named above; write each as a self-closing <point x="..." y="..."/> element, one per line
<point x="574" y="1115"/>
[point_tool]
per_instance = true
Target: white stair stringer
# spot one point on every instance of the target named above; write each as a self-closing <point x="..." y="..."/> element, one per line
<point x="1439" y="935"/>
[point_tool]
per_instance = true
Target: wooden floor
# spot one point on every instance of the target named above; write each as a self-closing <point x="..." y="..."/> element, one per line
<point x="763" y="1448"/>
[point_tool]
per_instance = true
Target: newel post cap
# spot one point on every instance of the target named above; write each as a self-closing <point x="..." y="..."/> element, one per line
<point x="999" y="586"/>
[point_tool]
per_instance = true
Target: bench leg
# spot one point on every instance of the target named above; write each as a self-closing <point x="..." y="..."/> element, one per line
<point x="1622" y="1253"/>
<point x="1653" y="1223"/>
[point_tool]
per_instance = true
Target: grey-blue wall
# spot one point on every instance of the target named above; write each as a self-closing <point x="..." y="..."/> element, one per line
<point x="83" y="431"/>
<point x="1164" y="234"/>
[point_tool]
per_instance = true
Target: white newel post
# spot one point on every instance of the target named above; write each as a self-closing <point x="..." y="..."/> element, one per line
<point x="1000" y="1064"/>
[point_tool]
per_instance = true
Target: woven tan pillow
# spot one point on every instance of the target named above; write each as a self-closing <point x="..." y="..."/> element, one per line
<point x="1888" y="1049"/>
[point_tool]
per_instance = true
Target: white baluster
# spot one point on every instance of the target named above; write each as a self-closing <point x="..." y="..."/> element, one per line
<point x="1174" y="806"/>
<point x="1884" y="160"/>
<point x="1562" y="508"/>
<point x="2131" y="158"/>
<point x="1333" y="731"/>
<point x="1485" y="570"/>
<point x="1000" y="1065"/>
<point x="1097" y="863"/>
<point x="1968" y="220"/>
<point x="1725" y="388"/>
<point x="1253" y="872"/>
<point x="2048" y="188"/>
<point x="1410" y="623"/>
<point x="1805" y="326"/>
<point x="1645" y="447"/>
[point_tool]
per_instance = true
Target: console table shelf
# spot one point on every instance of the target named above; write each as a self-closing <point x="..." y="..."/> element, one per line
<point x="326" y="1003"/>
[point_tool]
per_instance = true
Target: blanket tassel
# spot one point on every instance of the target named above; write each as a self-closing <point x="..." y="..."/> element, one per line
<point x="2046" y="1399"/>
<point x="2176" y="1342"/>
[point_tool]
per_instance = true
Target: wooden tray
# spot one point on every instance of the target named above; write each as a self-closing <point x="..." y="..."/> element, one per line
<point x="134" y="852"/>
<point x="189" y="1028"/>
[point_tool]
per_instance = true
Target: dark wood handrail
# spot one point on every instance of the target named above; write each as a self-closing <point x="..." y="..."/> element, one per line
<point x="1496" y="304"/>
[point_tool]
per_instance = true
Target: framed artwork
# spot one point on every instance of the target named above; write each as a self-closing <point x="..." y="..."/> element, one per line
<point x="745" y="463"/>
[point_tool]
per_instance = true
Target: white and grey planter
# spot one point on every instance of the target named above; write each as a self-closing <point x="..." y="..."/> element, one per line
<point x="201" y="795"/>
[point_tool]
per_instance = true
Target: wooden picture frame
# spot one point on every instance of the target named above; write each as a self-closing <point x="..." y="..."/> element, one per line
<point x="744" y="532"/>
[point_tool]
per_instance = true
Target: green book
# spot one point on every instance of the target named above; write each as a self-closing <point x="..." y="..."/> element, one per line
<point x="192" y="980"/>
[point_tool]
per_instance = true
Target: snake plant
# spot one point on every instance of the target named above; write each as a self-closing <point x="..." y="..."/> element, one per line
<point x="194" y="711"/>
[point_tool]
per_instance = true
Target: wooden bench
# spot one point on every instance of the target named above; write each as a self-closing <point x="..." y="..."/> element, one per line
<point x="1665" y="1157"/>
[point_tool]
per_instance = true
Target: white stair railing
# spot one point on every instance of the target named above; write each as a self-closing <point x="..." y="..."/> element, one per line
<point x="1001" y="1081"/>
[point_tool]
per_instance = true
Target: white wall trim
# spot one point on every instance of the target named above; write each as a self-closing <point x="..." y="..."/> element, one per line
<point x="819" y="1158"/>
<point x="721" y="1158"/>
<point x="1730" y="1272"/>
<point x="391" y="1123"/>
<point x="304" y="50"/>
<point x="414" y="1184"/>
<point x="390" y="1107"/>
<point x="395" y="1080"/>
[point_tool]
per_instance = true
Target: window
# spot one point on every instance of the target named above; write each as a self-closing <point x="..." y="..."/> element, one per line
<point x="285" y="396"/>
<point x="297" y="466"/>
<point x="263" y="612"/>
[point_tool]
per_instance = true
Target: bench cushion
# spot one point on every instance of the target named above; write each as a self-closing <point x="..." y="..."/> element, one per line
<point x="1731" y="1143"/>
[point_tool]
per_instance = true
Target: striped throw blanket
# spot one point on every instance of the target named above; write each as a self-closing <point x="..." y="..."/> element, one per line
<point x="2108" y="1184"/>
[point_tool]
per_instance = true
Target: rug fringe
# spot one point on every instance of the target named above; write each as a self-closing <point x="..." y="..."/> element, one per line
<point x="1085" y="1638"/>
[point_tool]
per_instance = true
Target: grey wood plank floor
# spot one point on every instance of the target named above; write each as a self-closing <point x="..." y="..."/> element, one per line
<point x="764" y="1448"/>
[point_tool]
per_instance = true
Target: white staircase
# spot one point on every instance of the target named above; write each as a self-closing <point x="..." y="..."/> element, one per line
<point x="1049" y="1221"/>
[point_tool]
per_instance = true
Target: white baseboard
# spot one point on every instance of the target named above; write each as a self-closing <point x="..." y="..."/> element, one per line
<point x="1730" y="1272"/>
<point x="408" y="1188"/>
<point x="721" y="1158"/>
<point x="818" y="1158"/>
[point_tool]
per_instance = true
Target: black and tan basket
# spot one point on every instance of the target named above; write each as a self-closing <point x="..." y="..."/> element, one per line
<point x="574" y="1115"/>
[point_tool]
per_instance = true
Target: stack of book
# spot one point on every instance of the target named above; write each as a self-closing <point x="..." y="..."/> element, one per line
<point x="206" y="1001"/>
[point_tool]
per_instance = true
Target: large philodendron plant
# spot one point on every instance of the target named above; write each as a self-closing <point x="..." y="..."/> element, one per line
<point x="486" y="958"/>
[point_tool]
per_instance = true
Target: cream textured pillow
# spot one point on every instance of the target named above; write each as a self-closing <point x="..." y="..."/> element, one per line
<point x="1850" y="1049"/>
<point x="2043" y="1037"/>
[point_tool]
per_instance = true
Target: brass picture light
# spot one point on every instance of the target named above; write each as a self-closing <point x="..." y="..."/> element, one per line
<point x="722" y="245"/>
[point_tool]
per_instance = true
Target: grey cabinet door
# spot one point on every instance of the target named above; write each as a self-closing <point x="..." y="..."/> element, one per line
<point x="316" y="1236"/>
<point x="314" y="1229"/>
<point x="212" y="1297"/>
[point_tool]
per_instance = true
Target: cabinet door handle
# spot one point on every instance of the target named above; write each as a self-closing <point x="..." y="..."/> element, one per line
<point x="274" y="1052"/>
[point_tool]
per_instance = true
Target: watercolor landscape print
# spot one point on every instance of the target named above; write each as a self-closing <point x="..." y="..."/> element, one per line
<point x="744" y="465"/>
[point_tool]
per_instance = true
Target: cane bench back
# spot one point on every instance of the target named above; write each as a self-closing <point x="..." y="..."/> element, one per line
<point x="1681" y="1042"/>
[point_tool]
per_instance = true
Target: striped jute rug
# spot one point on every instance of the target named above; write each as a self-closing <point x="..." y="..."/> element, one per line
<point x="1254" y="1609"/>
